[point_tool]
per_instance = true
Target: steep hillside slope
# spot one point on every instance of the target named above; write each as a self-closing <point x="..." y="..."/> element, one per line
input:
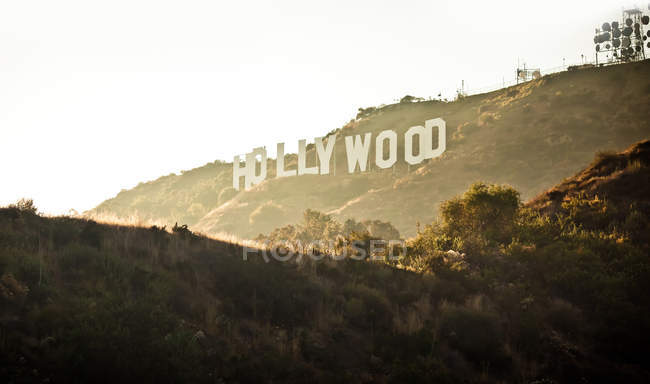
<point x="529" y="136"/>
<point x="183" y="198"/>
<point x="622" y="178"/>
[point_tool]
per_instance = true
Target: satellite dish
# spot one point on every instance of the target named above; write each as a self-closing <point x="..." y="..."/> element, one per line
<point x="607" y="27"/>
<point x="608" y="46"/>
<point x="603" y="37"/>
<point x="616" y="42"/>
<point x="627" y="31"/>
<point x="629" y="22"/>
<point x="616" y="33"/>
<point x="626" y="42"/>
<point x="645" y="20"/>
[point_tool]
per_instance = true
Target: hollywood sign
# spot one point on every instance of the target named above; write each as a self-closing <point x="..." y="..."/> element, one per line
<point x="357" y="149"/>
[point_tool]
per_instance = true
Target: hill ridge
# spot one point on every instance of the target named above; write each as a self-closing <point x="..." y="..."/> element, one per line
<point x="530" y="136"/>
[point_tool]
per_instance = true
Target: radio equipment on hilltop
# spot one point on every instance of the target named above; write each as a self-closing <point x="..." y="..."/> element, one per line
<point x="625" y="40"/>
<point x="525" y="74"/>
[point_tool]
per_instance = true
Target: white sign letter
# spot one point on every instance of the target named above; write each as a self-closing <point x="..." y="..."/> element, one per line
<point x="442" y="137"/>
<point x="357" y="151"/>
<point x="251" y="160"/>
<point x="239" y="171"/>
<point x="325" y="154"/>
<point x="302" y="160"/>
<point x="408" y="145"/>
<point x="279" y="163"/>
<point x="392" y="149"/>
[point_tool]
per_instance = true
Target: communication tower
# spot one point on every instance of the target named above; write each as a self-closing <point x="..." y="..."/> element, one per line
<point x="624" y="40"/>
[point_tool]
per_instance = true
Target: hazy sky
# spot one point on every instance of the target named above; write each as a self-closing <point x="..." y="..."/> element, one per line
<point x="98" y="96"/>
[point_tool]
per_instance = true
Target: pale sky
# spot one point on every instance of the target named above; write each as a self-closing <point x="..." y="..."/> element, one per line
<point x="98" y="96"/>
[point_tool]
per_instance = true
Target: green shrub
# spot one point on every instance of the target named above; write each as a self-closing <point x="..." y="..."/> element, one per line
<point x="477" y="335"/>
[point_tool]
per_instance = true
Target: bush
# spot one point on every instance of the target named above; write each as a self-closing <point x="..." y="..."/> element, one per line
<point x="25" y="205"/>
<point x="485" y="210"/>
<point x="476" y="334"/>
<point x="76" y="258"/>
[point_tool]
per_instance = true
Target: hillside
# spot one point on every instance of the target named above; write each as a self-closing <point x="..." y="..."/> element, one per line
<point x="535" y="294"/>
<point x="622" y="178"/>
<point x="183" y="198"/>
<point x="528" y="136"/>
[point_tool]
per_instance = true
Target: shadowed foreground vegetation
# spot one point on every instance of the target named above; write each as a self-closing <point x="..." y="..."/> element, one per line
<point x="555" y="291"/>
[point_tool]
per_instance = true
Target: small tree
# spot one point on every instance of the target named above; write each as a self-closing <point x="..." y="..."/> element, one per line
<point x="25" y="205"/>
<point x="407" y="99"/>
<point x="352" y="226"/>
<point x="382" y="229"/>
<point x="317" y="225"/>
<point x="485" y="210"/>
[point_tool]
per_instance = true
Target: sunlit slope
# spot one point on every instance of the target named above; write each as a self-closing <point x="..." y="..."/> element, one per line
<point x="621" y="179"/>
<point x="530" y="136"/>
<point x="183" y="198"/>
